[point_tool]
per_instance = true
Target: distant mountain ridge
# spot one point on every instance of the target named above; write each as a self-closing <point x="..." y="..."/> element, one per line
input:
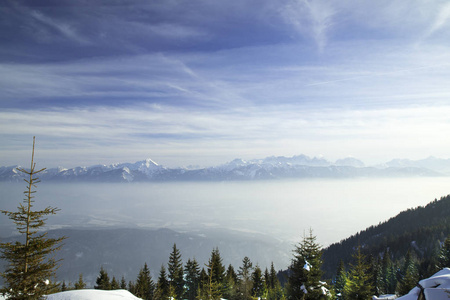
<point x="421" y="229"/>
<point x="299" y="166"/>
<point x="123" y="251"/>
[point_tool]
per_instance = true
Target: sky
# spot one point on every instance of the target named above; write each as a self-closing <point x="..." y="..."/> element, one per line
<point x="203" y="82"/>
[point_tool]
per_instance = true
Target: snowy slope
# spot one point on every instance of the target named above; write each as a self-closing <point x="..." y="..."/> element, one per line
<point x="93" y="295"/>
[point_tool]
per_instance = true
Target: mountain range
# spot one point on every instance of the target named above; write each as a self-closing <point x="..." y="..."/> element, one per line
<point x="300" y="166"/>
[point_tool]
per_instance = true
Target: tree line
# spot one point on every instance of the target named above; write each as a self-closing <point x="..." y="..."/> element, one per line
<point x="191" y="281"/>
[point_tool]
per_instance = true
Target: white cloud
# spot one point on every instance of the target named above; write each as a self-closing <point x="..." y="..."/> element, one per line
<point x="441" y="20"/>
<point x="312" y="19"/>
<point x="176" y="136"/>
<point x="62" y="28"/>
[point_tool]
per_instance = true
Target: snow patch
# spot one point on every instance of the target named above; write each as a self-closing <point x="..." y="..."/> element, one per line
<point x="307" y="266"/>
<point x="435" y="287"/>
<point x="93" y="295"/>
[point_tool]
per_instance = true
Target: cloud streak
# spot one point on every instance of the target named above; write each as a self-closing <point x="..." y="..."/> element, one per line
<point x="157" y="132"/>
<point x="313" y="19"/>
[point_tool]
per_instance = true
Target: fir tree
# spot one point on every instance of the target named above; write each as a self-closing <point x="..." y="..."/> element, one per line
<point x="230" y="286"/>
<point x="409" y="275"/>
<point x="114" y="284"/>
<point x="358" y="286"/>
<point x="388" y="278"/>
<point x="192" y="278"/>
<point x="131" y="287"/>
<point x="258" y="284"/>
<point x="123" y="283"/>
<point x="102" y="282"/>
<point x="267" y="278"/>
<point x="175" y="269"/>
<point x="374" y="272"/>
<point x="244" y="276"/>
<point x="144" y="287"/>
<point x="273" y="280"/>
<point x="31" y="265"/>
<point x="64" y="286"/>
<point x="305" y="273"/>
<point x="274" y="289"/>
<point x="340" y="280"/>
<point x="444" y="255"/>
<point x="203" y="279"/>
<point x="80" y="284"/>
<point x="211" y="288"/>
<point x="162" y="285"/>
<point x="216" y="267"/>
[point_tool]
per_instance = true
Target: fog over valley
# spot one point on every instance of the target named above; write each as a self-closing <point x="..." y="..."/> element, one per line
<point x="282" y="209"/>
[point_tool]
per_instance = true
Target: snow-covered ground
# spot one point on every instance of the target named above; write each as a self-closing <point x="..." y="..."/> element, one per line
<point x="93" y="295"/>
<point x="385" y="297"/>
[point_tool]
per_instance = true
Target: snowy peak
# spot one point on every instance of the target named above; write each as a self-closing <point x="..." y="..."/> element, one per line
<point x="350" y="161"/>
<point x="279" y="161"/>
<point x="432" y="163"/>
<point x="273" y="167"/>
<point x="148" y="163"/>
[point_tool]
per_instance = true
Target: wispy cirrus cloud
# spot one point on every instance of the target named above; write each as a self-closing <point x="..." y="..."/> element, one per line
<point x="440" y="21"/>
<point x="62" y="28"/>
<point x="313" y="19"/>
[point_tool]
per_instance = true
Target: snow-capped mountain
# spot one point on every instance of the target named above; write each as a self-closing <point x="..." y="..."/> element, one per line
<point x="432" y="163"/>
<point x="300" y="166"/>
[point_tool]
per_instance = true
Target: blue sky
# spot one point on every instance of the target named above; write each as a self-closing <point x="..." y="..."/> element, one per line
<point x="204" y="82"/>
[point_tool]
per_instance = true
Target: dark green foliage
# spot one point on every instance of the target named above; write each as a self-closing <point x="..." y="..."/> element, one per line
<point x="162" y="286"/>
<point x="444" y="255"/>
<point x="357" y="285"/>
<point x="274" y="290"/>
<point x="192" y="278"/>
<point x="375" y="273"/>
<point x="388" y="279"/>
<point x="273" y="280"/>
<point x="203" y="278"/>
<point x="409" y="275"/>
<point x="340" y="280"/>
<point x="231" y="280"/>
<point x="102" y="282"/>
<point x="114" y="284"/>
<point x="144" y="286"/>
<point x="131" y="287"/>
<point x="258" y="286"/>
<point x="212" y="281"/>
<point x="64" y="287"/>
<point x="211" y="289"/>
<point x="305" y="273"/>
<point x="244" y="276"/>
<point x="31" y="264"/>
<point x="216" y="267"/>
<point x="421" y="227"/>
<point x="123" y="283"/>
<point x="175" y="269"/>
<point x="80" y="284"/>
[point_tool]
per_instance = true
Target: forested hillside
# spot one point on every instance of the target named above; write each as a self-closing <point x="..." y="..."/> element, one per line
<point x="421" y="230"/>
